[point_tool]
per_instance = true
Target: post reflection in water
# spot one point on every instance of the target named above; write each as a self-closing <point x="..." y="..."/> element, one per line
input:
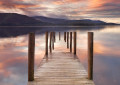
<point x="14" y="54"/>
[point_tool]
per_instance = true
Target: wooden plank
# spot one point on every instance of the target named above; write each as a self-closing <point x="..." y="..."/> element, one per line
<point x="61" y="69"/>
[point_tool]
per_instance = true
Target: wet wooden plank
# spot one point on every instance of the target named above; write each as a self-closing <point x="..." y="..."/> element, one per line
<point x="62" y="68"/>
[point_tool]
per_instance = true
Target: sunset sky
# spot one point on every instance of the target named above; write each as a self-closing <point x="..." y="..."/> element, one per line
<point x="106" y="10"/>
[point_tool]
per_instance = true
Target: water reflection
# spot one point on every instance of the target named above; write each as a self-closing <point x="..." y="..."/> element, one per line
<point x="17" y="31"/>
<point x="13" y="53"/>
<point x="13" y="59"/>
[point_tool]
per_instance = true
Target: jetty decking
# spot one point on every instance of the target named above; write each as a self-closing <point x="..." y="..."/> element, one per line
<point x="61" y="68"/>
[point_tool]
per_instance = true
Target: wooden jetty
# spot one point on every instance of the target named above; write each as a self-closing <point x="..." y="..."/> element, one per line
<point x="60" y="67"/>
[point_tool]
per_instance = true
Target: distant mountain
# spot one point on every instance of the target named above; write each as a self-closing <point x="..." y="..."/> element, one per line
<point x="13" y="19"/>
<point x="50" y="20"/>
<point x="83" y="22"/>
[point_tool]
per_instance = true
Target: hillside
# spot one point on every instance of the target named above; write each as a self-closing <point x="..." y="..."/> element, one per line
<point x="83" y="22"/>
<point x="13" y="19"/>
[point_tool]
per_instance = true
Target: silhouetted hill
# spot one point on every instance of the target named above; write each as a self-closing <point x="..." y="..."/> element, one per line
<point x="13" y="19"/>
<point x="83" y="22"/>
<point x="50" y="20"/>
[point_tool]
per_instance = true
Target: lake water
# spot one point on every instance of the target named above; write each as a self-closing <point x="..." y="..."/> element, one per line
<point x="14" y="48"/>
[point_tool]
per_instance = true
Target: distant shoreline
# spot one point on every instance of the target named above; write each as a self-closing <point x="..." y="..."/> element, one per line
<point x="63" y="26"/>
<point x="13" y="31"/>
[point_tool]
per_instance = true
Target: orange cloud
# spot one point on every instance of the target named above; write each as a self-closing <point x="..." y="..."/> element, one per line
<point x="65" y="2"/>
<point x="0" y="3"/>
<point x="1" y="65"/>
<point x="100" y="4"/>
<point x="58" y="2"/>
<point x="96" y="3"/>
<point x="16" y="4"/>
<point x="24" y="6"/>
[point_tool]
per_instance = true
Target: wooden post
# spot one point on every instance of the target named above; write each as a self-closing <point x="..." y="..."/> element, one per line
<point x="67" y="39"/>
<point x="54" y="37"/>
<point x="46" y="50"/>
<point x="31" y="51"/>
<point x="71" y="42"/>
<point x="50" y="42"/>
<point x="75" y="42"/>
<point x="59" y="36"/>
<point x="65" y="36"/>
<point x="53" y="40"/>
<point x="90" y="55"/>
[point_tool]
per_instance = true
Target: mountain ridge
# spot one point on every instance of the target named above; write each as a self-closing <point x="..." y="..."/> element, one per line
<point x="14" y="19"/>
<point x="72" y="22"/>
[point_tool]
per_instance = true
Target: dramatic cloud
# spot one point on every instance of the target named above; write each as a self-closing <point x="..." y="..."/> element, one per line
<point x="62" y="2"/>
<point x="16" y="4"/>
<point x="107" y="10"/>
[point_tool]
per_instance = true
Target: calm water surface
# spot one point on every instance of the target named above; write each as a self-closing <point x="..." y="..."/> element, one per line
<point x="13" y="53"/>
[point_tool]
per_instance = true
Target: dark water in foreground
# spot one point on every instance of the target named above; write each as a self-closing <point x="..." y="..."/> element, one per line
<point x="13" y="52"/>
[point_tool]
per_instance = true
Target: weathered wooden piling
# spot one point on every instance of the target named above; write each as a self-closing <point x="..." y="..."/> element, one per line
<point x="50" y="42"/>
<point x="71" y="42"/>
<point x="46" y="50"/>
<point x="59" y="36"/>
<point x="90" y="55"/>
<point x="53" y="40"/>
<point x="31" y="52"/>
<point x="67" y="39"/>
<point x="60" y="65"/>
<point x="75" y="42"/>
<point x="54" y="37"/>
<point x="65" y="36"/>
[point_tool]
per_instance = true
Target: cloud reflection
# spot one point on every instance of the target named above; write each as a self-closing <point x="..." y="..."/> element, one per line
<point x="13" y="59"/>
